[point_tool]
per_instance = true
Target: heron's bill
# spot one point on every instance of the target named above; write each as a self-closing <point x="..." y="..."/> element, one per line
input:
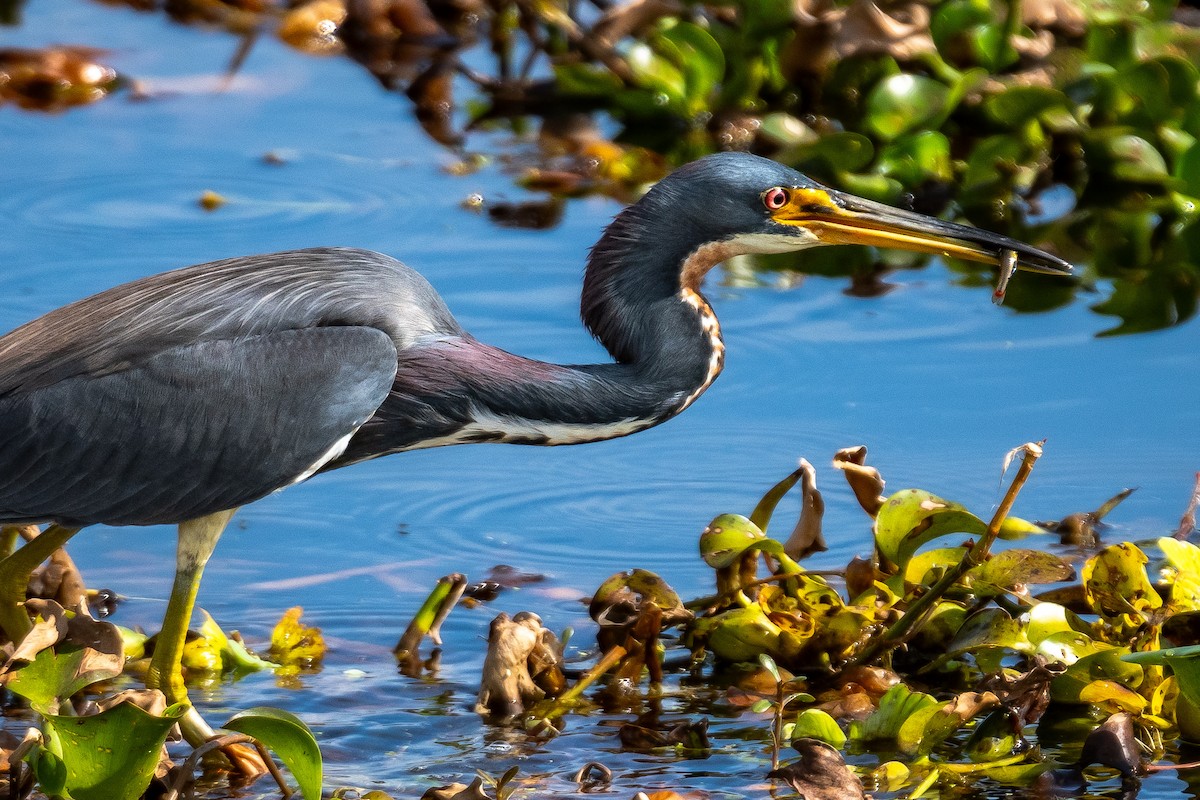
<point x="837" y="218"/>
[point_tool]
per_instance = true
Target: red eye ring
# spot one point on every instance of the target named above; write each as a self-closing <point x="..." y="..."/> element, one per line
<point x="776" y="198"/>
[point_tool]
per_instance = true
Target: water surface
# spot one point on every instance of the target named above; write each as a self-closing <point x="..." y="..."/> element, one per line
<point x="934" y="378"/>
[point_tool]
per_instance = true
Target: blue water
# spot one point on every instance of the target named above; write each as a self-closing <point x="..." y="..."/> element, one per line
<point x="937" y="381"/>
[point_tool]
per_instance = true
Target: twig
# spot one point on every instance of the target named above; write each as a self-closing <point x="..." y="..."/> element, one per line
<point x="188" y="769"/>
<point x="908" y="624"/>
<point x="1187" y="523"/>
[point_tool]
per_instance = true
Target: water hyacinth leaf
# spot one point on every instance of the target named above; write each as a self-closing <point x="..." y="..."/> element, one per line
<point x="586" y="80"/>
<point x="1116" y="586"/>
<point x="741" y="634"/>
<point x="955" y="18"/>
<point x="993" y="738"/>
<point x="903" y="103"/>
<point x="991" y="47"/>
<point x="699" y="57"/>
<point x="1019" y="104"/>
<point x="1106" y="665"/>
<point x="1112" y="697"/>
<point x="924" y="568"/>
<point x="1164" y="86"/>
<point x="761" y="515"/>
<point x="929" y="727"/>
<point x="1067" y="647"/>
<point x="813" y="723"/>
<point x="1183" y="661"/>
<point x="1012" y="568"/>
<point x="234" y="655"/>
<point x="52" y="676"/>
<point x="992" y="161"/>
<point x="111" y="755"/>
<point x="1126" y="157"/>
<point x="726" y="538"/>
<point x="50" y="771"/>
<point x="912" y="517"/>
<point x="986" y="634"/>
<point x="896" y="706"/>
<point x="290" y="739"/>
<point x="841" y="151"/>
<point x="1187" y="171"/>
<point x="891" y="776"/>
<point x="1183" y="576"/>
<point x="654" y="72"/>
<point x="917" y="157"/>
<point x="1049" y="619"/>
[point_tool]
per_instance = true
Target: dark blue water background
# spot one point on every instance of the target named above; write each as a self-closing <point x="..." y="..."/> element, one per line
<point x="933" y="377"/>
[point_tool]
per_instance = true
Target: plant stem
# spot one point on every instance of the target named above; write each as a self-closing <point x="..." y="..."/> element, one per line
<point x="916" y="614"/>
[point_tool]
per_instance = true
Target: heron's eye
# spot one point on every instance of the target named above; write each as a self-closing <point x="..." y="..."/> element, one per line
<point x="776" y="198"/>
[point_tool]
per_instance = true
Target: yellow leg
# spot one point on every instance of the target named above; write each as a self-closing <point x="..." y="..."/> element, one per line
<point x="14" y="578"/>
<point x="197" y="539"/>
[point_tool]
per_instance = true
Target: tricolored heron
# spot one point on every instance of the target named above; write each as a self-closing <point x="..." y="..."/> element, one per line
<point x="180" y="397"/>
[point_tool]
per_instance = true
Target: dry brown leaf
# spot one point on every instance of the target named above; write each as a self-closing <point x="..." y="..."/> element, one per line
<point x="866" y="482"/>
<point x="806" y="537"/>
<point x="457" y="791"/>
<point x="820" y="773"/>
<point x="506" y="687"/>
<point x="1114" y="744"/>
<point x="54" y="78"/>
<point x="312" y="27"/>
<point x="49" y="629"/>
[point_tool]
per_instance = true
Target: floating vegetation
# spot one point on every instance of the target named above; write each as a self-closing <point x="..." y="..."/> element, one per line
<point x="943" y="653"/>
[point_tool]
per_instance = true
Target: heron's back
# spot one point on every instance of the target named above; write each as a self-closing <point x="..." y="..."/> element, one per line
<point x="204" y="388"/>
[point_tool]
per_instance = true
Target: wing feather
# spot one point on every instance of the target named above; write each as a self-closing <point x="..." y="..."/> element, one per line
<point x="190" y="429"/>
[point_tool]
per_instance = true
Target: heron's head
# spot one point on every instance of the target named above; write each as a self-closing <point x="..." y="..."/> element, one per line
<point x="734" y="203"/>
<point x="755" y="205"/>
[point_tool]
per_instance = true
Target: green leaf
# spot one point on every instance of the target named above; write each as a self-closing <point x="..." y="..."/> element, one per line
<point x="912" y="517"/>
<point x="761" y="516"/>
<point x="917" y="157"/>
<point x="585" y="80"/>
<point x="726" y="538"/>
<point x="234" y="654"/>
<point x="654" y="72"/>
<point x="110" y="755"/>
<point x="1010" y="568"/>
<point x="903" y="103"/>
<point x="1017" y="105"/>
<point x="896" y="706"/>
<point x="988" y="634"/>
<point x="813" y="723"/>
<point x="761" y="705"/>
<point x="768" y="664"/>
<point x="1105" y="665"/>
<point x="50" y="771"/>
<point x="290" y="738"/>
<point x="1183" y="661"/>
<point x="52" y="676"/>
<point x="699" y="57"/>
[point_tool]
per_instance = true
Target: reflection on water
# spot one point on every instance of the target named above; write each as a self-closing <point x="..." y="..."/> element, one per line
<point x="935" y="379"/>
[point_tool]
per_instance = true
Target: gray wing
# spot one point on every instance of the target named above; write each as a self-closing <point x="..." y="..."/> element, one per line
<point x="190" y="430"/>
<point x="237" y="297"/>
<point x="204" y="388"/>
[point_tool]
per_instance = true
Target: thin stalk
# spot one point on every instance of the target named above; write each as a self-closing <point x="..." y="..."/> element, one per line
<point x="908" y="624"/>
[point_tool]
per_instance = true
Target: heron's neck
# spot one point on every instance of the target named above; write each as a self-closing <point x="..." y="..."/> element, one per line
<point x="663" y="337"/>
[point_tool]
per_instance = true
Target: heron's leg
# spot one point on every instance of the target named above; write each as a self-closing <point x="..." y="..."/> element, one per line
<point x="14" y="578"/>
<point x="197" y="539"/>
